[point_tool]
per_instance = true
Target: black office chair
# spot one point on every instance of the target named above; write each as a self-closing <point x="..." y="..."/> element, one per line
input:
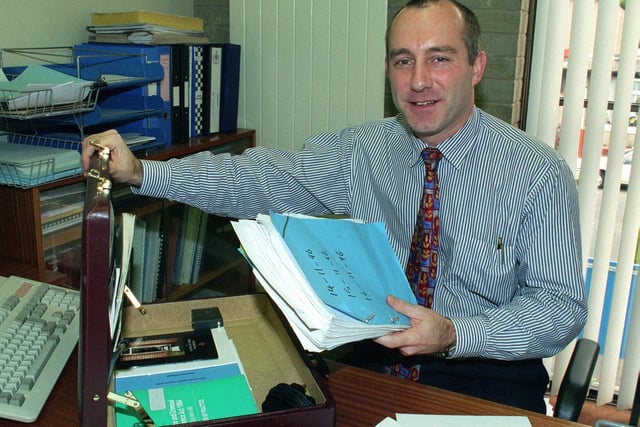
<point x="575" y="383"/>
<point x="634" y="419"/>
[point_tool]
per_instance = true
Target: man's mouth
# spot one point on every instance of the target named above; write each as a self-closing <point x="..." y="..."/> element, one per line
<point x="424" y="103"/>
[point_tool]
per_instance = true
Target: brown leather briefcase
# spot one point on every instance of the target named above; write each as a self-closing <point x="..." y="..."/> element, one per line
<point x="268" y="351"/>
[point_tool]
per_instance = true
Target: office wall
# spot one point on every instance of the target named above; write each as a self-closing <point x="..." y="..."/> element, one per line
<point x="308" y="66"/>
<point x="46" y="23"/>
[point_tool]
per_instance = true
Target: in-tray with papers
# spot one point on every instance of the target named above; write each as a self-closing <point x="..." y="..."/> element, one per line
<point x="28" y="164"/>
<point x="330" y="277"/>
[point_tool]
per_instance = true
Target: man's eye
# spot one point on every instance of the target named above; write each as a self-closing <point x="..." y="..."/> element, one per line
<point x="439" y="59"/>
<point x="403" y="62"/>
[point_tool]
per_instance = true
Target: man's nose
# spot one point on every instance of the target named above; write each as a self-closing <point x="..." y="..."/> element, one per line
<point x="421" y="77"/>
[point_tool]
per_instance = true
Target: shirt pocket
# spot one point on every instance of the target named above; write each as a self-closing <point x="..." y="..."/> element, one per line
<point x="486" y="268"/>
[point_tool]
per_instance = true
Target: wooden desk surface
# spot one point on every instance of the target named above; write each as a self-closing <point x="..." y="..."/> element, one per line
<point x="362" y="399"/>
<point x="365" y="398"/>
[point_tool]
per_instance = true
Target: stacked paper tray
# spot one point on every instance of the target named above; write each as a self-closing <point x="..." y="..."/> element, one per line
<point x="30" y="160"/>
<point x="39" y="91"/>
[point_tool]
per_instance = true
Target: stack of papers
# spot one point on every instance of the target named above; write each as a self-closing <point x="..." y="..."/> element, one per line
<point x="143" y="27"/>
<point x="40" y="86"/>
<point x="26" y="165"/>
<point x="330" y="277"/>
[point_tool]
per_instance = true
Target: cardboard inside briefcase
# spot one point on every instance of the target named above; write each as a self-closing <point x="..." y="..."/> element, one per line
<point x="264" y="345"/>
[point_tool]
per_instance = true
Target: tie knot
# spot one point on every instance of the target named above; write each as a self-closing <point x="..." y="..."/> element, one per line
<point x="431" y="156"/>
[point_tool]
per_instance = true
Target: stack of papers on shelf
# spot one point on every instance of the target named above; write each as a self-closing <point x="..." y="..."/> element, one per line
<point x="330" y="277"/>
<point x="138" y="17"/>
<point x="143" y="27"/>
<point x="26" y="165"/>
<point x="40" y="86"/>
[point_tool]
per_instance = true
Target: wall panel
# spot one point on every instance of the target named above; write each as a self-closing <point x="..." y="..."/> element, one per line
<point x="308" y="66"/>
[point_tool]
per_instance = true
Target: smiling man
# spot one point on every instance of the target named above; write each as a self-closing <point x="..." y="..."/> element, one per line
<point x="507" y="289"/>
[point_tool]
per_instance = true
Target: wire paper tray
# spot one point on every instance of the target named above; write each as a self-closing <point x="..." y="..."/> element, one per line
<point x="28" y="104"/>
<point x="30" y="160"/>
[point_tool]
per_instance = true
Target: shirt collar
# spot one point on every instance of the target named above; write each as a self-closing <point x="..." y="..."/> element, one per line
<point x="456" y="148"/>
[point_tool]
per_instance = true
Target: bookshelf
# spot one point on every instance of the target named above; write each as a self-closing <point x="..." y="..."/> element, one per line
<point x="55" y="255"/>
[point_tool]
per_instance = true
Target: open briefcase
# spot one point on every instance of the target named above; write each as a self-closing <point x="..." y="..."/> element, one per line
<point x="264" y="343"/>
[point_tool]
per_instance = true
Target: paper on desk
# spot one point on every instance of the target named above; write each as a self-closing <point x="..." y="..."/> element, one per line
<point x="389" y="422"/>
<point x="420" y="420"/>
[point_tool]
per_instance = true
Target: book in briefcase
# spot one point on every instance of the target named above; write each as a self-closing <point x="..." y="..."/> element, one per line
<point x="109" y="325"/>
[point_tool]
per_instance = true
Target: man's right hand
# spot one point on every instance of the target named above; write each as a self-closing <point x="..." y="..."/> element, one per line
<point x="124" y="166"/>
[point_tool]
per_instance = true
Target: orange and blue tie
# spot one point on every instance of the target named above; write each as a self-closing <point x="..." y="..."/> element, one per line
<point x="422" y="266"/>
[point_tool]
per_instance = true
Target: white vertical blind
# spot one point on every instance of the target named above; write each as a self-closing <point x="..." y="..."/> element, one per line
<point x="546" y="78"/>
<point x="576" y="81"/>
<point x="537" y="65"/>
<point x="308" y="66"/>
<point x="606" y="224"/>
<point x="572" y="119"/>
<point x="600" y="79"/>
<point x="557" y="15"/>
<point x="598" y="209"/>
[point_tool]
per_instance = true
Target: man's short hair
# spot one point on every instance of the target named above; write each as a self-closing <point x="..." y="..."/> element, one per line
<point x="471" y="33"/>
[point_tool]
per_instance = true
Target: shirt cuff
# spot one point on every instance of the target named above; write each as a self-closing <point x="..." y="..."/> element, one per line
<point x="156" y="179"/>
<point x="471" y="337"/>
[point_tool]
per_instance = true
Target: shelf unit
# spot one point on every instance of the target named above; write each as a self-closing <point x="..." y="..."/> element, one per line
<point x="125" y="89"/>
<point x="22" y="241"/>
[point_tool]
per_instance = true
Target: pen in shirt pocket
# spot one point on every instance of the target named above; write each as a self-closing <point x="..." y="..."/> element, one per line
<point x="501" y="250"/>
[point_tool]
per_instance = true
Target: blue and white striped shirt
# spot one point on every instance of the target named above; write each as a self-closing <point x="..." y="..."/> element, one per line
<point x="521" y="298"/>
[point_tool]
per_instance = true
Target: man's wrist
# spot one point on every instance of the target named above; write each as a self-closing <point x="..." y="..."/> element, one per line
<point x="451" y="351"/>
<point x="137" y="175"/>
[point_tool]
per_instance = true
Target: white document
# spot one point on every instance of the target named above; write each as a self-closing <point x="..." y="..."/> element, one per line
<point x="420" y="420"/>
<point x="389" y="422"/>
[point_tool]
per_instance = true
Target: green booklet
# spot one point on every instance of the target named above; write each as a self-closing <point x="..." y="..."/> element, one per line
<point x="196" y="401"/>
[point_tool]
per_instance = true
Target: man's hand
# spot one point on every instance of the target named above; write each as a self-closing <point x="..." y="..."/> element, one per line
<point x="429" y="332"/>
<point x="123" y="165"/>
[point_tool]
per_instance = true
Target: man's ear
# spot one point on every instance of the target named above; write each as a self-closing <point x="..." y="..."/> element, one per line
<point x="478" y="67"/>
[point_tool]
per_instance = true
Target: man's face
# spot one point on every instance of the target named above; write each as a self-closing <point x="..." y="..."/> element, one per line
<point x="429" y="72"/>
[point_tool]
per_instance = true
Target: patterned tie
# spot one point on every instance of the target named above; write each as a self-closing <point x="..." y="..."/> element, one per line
<point x="422" y="266"/>
<point x="423" y="257"/>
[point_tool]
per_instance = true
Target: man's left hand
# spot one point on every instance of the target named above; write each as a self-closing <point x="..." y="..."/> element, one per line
<point x="429" y="332"/>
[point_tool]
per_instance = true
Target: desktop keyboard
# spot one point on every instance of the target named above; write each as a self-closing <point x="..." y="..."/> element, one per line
<point x="39" y="327"/>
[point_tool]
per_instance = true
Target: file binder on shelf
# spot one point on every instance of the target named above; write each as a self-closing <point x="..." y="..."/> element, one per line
<point x="251" y="321"/>
<point x="230" y="86"/>
<point x="214" y="78"/>
<point x="147" y="109"/>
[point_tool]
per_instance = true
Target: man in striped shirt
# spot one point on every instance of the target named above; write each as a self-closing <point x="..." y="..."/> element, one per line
<point x="509" y="288"/>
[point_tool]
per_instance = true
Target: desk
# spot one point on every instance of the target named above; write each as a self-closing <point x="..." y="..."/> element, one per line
<point x="362" y="398"/>
<point x="365" y="398"/>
